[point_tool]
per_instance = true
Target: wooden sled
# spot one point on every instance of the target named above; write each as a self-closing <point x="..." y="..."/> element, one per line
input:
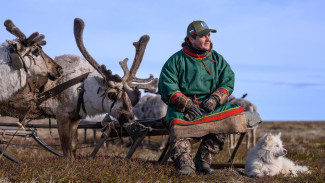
<point x="139" y="130"/>
<point x="156" y="127"/>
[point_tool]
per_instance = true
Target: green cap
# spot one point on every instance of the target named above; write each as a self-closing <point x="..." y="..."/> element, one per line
<point x="199" y="28"/>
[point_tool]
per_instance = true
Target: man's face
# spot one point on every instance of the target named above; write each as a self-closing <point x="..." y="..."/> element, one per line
<point x="201" y="42"/>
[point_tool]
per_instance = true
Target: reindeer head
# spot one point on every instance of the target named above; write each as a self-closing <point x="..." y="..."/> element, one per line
<point x="121" y="92"/>
<point x="27" y="53"/>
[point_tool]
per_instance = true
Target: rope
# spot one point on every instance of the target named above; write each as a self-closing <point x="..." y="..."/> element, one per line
<point x="21" y="126"/>
<point x="139" y="125"/>
<point x="111" y="125"/>
<point x="143" y="126"/>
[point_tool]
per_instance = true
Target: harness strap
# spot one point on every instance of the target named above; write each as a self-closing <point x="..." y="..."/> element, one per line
<point x="61" y="87"/>
<point x="16" y="60"/>
<point x="80" y="103"/>
<point x="36" y="83"/>
<point x="83" y="102"/>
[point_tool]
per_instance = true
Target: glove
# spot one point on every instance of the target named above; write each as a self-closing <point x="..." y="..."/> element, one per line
<point x="211" y="103"/>
<point x="192" y="111"/>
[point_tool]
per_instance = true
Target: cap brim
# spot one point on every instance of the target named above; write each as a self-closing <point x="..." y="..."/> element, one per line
<point x="213" y="30"/>
<point x="205" y="32"/>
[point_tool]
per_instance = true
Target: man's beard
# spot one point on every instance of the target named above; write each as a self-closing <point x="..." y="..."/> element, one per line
<point x="199" y="50"/>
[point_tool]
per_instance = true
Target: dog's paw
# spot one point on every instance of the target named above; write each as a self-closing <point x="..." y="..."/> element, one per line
<point x="260" y="175"/>
<point x="256" y="175"/>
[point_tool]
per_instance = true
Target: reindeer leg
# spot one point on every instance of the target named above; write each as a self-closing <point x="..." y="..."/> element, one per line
<point x="232" y="140"/>
<point x="64" y="133"/>
<point x="254" y="136"/>
<point x="248" y="138"/>
<point x="74" y="137"/>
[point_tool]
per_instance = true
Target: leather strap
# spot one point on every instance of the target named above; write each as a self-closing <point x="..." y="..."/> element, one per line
<point x="61" y="87"/>
<point x="80" y="103"/>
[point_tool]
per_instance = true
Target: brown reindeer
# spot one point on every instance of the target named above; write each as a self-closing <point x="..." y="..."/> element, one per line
<point x="21" y="59"/>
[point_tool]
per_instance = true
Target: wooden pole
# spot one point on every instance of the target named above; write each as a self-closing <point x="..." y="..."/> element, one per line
<point x="231" y="159"/>
<point x="85" y="135"/>
<point x="135" y="144"/>
<point x="164" y="152"/>
<point x="103" y="138"/>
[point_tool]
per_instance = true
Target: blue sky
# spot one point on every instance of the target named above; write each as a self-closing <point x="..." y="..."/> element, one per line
<point x="276" y="48"/>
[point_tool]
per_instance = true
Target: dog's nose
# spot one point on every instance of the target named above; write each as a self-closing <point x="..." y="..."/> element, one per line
<point x="284" y="151"/>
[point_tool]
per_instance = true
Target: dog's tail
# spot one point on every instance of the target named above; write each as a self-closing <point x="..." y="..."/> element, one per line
<point x="302" y="169"/>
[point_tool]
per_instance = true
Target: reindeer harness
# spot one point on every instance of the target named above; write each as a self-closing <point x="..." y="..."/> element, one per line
<point x="61" y="87"/>
<point x="16" y="60"/>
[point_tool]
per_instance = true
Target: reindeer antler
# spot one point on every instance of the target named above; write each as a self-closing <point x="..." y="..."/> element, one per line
<point x="129" y="75"/>
<point x="14" y="30"/>
<point x="34" y="38"/>
<point x="107" y="74"/>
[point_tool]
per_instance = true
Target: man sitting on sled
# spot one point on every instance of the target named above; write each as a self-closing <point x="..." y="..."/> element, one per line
<point x="195" y="83"/>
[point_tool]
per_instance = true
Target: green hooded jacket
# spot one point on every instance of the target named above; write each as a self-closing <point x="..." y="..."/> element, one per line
<point x="196" y="77"/>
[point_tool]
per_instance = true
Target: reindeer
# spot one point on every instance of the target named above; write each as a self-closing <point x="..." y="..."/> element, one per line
<point x="249" y="107"/>
<point x="150" y="106"/>
<point x="99" y="92"/>
<point x="21" y="59"/>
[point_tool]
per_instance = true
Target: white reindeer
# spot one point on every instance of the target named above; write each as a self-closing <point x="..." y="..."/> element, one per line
<point x="100" y="92"/>
<point x="251" y="134"/>
<point x="150" y="106"/>
<point x="22" y="58"/>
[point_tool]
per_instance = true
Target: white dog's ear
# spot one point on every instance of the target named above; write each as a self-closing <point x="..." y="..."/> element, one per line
<point x="268" y="137"/>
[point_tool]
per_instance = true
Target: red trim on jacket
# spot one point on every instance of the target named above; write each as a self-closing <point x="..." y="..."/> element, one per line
<point x="209" y="118"/>
<point x="191" y="54"/>
<point x="224" y="90"/>
<point x="175" y="95"/>
<point x="194" y="54"/>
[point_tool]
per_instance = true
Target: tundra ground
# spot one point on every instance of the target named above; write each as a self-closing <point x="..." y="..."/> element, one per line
<point x="304" y="140"/>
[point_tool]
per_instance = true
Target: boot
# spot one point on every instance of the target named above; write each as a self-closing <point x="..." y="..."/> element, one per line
<point x="186" y="170"/>
<point x="202" y="166"/>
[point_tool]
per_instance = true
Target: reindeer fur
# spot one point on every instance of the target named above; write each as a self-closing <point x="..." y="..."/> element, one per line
<point x="64" y="106"/>
<point x="150" y="106"/>
<point x="30" y="60"/>
<point x="11" y="80"/>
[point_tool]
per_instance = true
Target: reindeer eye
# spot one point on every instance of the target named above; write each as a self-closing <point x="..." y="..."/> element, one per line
<point x="35" y="52"/>
<point x="112" y="95"/>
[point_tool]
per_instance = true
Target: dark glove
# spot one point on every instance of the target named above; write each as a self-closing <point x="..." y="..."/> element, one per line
<point x="211" y="103"/>
<point x="192" y="111"/>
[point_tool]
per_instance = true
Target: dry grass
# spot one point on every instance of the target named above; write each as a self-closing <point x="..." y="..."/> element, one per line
<point x="305" y="142"/>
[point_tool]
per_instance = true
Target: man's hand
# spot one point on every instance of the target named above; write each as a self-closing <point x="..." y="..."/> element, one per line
<point x="193" y="111"/>
<point x="211" y="103"/>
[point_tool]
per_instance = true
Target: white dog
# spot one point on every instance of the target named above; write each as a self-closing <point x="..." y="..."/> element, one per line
<point x="266" y="158"/>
